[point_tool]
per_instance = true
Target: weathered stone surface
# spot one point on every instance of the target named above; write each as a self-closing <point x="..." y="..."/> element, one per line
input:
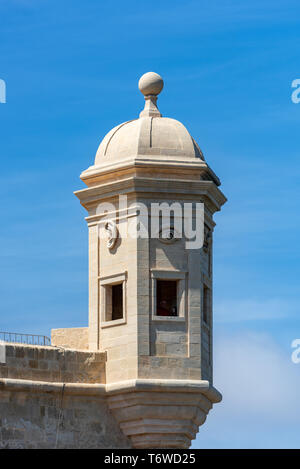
<point x="52" y="364"/>
<point x="56" y="418"/>
<point x="73" y="337"/>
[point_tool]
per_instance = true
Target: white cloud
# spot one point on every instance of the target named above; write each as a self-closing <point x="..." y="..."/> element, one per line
<point x="257" y="378"/>
<point x="260" y="388"/>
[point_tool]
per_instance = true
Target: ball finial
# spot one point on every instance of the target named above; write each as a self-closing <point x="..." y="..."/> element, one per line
<point x="151" y="84"/>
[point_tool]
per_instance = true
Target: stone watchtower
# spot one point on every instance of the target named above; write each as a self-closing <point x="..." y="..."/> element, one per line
<point x="150" y="296"/>
<point x="140" y="375"/>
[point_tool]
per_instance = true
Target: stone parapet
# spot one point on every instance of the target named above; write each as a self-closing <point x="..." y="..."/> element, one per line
<point x="51" y="364"/>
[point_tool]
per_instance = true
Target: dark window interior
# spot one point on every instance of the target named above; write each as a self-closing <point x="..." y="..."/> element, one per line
<point x="206" y="302"/>
<point x="166" y="298"/>
<point x="116" y="301"/>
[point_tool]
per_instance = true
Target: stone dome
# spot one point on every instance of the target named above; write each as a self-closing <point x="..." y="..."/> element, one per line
<point x="150" y="135"/>
<point x="147" y="136"/>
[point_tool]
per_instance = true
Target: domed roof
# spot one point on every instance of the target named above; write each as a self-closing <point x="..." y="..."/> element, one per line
<point x="152" y="142"/>
<point x="147" y="136"/>
<point x="151" y="134"/>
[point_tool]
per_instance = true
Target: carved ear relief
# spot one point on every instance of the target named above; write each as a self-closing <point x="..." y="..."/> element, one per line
<point x="112" y="233"/>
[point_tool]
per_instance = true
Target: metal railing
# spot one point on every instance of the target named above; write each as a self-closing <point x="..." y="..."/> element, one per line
<point x="30" y="339"/>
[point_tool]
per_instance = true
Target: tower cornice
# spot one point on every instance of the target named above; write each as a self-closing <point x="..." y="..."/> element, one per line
<point x="148" y="186"/>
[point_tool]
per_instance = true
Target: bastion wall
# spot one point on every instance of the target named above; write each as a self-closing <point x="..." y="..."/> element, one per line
<point x="55" y="398"/>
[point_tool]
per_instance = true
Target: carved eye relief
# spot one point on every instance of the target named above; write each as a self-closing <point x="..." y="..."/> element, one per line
<point x="168" y="235"/>
<point x="112" y="234"/>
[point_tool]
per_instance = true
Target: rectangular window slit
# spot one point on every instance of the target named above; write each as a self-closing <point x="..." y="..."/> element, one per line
<point x="206" y="305"/>
<point x="117" y="301"/>
<point x="166" y="298"/>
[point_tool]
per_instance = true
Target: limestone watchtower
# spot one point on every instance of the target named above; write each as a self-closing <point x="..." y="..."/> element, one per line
<point x="150" y="295"/>
<point x="140" y="375"/>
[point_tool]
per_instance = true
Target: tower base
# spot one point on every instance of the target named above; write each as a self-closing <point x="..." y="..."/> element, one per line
<point x="161" y="413"/>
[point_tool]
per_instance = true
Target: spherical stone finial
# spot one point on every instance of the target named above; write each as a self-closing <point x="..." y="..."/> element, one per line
<point x="151" y="84"/>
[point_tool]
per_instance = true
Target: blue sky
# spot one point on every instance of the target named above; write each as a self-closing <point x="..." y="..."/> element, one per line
<point x="71" y="70"/>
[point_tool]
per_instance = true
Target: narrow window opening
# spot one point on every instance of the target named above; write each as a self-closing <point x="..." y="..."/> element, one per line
<point x="206" y="305"/>
<point x="166" y="298"/>
<point x="116" y="301"/>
